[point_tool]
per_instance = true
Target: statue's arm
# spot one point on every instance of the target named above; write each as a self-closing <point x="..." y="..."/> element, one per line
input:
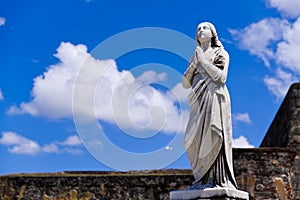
<point x="187" y="78"/>
<point x="218" y="70"/>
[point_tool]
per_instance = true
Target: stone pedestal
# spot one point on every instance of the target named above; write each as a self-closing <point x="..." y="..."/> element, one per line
<point x="209" y="193"/>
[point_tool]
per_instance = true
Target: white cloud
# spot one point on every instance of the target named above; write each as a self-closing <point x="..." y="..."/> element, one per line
<point x="275" y="40"/>
<point x="179" y="93"/>
<point x="1" y="95"/>
<point x="279" y="84"/>
<point x="242" y="117"/>
<point x="151" y="76"/>
<point x="50" y="148"/>
<point x="2" y="21"/>
<point x="72" y="140"/>
<point x="120" y="97"/>
<point x="258" y="38"/>
<point x="70" y="145"/>
<point x="241" y="142"/>
<point x="14" y="110"/>
<point x="288" y="50"/>
<point x="288" y="8"/>
<point x="52" y="91"/>
<point x="18" y="144"/>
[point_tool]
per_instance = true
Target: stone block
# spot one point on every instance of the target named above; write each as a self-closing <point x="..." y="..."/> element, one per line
<point x="297" y="164"/>
<point x="280" y="188"/>
<point x="296" y="195"/>
<point x="296" y="185"/>
<point x="209" y="193"/>
<point x="297" y="138"/>
<point x="297" y="102"/>
<point x="247" y="183"/>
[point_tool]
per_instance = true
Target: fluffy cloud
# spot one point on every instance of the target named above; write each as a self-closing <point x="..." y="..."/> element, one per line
<point x="280" y="83"/>
<point x="275" y="40"/>
<point x="2" y="21"/>
<point x="72" y="140"/>
<point x="179" y="93"/>
<point x="288" y="49"/>
<point x="50" y="148"/>
<point x="120" y="98"/>
<point x="70" y="145"/>
<point x="18" y="144"/>
<point x="1" y="95"/>
<point x="288" y="8"/>
<point x="258" y="38"/>
<point x="241" y="117"/>
<point x="241" y="142"/>
<point x="52" y="91"/>
<point x="151" y="76"/>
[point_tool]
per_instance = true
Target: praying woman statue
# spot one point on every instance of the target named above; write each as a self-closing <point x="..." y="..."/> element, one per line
<point x="208" y="137"/>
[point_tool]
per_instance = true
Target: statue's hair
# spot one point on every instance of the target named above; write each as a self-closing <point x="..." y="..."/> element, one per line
<point x="215" y="42"/>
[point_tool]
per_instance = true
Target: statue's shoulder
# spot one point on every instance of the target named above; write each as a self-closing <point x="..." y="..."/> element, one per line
<point x="221" y="52"/>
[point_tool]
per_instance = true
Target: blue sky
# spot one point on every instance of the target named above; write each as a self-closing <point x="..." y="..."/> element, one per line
<point x="94" y="85"/>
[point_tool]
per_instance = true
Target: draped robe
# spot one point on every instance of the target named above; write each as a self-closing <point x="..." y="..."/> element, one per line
<point x="208" y="137"/>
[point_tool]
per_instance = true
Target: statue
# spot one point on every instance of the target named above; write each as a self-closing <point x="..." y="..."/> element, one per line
<point x="208" y="137"/>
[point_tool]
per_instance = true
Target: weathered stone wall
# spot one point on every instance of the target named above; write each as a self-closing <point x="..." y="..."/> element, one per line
<point x="285" y="128"/>
<point x="84" y="186"/>
<point x="285" y="132"/>
<point x="264" y="173"/>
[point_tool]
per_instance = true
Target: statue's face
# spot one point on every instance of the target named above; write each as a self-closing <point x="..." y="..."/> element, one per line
<point x="204" y="32"/>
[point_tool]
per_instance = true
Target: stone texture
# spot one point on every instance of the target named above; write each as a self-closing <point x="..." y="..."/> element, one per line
<point x="285" y="132"/>
<point x="255" y="171"/>
<point x="140" y="185"/>
<point x="209" y="193"/>
<point x="280" y="187"/>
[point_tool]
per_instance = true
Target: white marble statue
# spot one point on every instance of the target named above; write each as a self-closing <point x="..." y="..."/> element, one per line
<point x="208" y="137"/>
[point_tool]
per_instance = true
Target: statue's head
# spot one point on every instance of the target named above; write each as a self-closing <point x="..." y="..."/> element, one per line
<point x="213" y="34"/>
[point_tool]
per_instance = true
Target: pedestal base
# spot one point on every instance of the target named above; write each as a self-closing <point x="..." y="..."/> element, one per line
<point x="209" y="193"/>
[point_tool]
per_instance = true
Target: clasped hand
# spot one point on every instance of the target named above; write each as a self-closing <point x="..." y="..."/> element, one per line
<point x="199" y="57"/>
